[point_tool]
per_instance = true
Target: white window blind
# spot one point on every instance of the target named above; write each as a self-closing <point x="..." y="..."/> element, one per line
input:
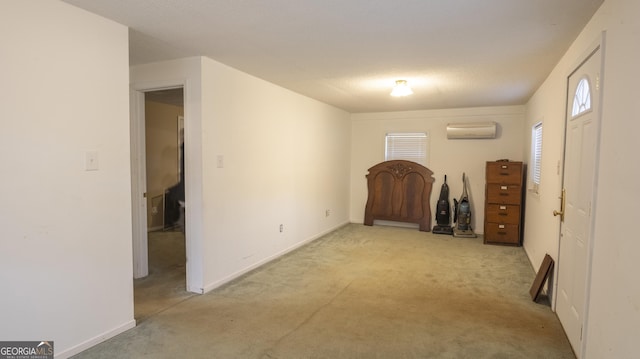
<point x="406" y="146"/>
<point x="536" y="154"/>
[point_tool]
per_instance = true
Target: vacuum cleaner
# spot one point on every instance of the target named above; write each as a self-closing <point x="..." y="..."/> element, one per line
<point x="462" y="215"/>
<point x="443" y="211"/>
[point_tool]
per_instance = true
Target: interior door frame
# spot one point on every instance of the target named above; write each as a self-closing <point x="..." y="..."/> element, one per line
<point x="139" y="175"/>
<point x="596" y="45"/>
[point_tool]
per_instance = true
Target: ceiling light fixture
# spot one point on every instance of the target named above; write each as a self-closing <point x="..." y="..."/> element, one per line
<point x="401" y="89"/>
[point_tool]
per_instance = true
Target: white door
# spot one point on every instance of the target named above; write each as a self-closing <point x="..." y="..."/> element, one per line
<point x="138" y="186"/>
<point x="580" y="165"/>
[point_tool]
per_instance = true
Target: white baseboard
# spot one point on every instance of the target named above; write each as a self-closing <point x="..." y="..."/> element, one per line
<point x="239" y="273"/>
<point x="95" y="340"/>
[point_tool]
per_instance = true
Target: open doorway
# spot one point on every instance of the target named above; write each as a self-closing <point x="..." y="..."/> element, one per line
<point x="165" y="284"/>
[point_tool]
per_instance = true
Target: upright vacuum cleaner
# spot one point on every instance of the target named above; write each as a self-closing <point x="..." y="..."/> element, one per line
<point x="443" y="211"/>
<point x="463" y="214"/>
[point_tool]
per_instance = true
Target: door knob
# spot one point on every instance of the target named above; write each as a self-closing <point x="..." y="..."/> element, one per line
<point x="562" y="203"/>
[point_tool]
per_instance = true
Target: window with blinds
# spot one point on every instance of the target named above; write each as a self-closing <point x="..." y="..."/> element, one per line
<point x="406" y="146"/>
<point x="536" y="155"/>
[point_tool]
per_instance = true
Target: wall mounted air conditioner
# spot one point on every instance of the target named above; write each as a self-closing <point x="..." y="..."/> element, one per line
<point x="471" y="130"/>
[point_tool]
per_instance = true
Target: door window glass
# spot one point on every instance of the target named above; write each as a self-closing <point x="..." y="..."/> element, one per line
<point x="582" y="98"/>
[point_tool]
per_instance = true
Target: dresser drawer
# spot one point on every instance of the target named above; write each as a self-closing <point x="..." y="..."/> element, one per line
<point x="503" y="193"/>
<point x="504" y="172"/>
<point x="502" y="233"/>
<point x="503" y="213"/>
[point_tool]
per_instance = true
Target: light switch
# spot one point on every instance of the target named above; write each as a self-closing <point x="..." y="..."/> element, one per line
<point x="91" y="163"/>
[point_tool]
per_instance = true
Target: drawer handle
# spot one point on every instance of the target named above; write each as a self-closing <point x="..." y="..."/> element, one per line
<point x="502" y="233"/>
<point x="504" y="194"/>
<point x="502" y="214"/>
<point x="504" y="173"/>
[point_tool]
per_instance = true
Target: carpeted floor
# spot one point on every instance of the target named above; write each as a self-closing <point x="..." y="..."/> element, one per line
<point x="165" y="286"/>
<point x="361" y="292"/>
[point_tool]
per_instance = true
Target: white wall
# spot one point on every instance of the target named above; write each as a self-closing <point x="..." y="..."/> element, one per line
<point x="65" y="252"/>
<point x="614" y="311"/>
<point x="446" y="157"/>
<point x="282" y="159"/>
<point x="285" y="161"/>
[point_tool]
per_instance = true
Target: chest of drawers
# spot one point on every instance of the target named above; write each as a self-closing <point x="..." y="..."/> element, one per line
<point x="503" y="203"/>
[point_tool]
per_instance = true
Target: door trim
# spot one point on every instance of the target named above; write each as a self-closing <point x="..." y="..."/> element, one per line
<point x="598" y="44"/>
<point x="138" y="177"/>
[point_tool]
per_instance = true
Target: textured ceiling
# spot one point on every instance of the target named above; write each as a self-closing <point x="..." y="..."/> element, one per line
<point x="348" y="53"/>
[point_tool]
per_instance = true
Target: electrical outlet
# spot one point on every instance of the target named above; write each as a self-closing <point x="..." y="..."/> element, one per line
<point x="281" y="228"/>
<point x="327" y="213"/>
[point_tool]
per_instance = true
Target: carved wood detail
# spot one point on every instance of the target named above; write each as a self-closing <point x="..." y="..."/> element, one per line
<point x="399" y="191"/>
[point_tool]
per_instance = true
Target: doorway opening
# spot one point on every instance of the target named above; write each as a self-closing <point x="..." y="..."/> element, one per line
<point x="165" y="284"/>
